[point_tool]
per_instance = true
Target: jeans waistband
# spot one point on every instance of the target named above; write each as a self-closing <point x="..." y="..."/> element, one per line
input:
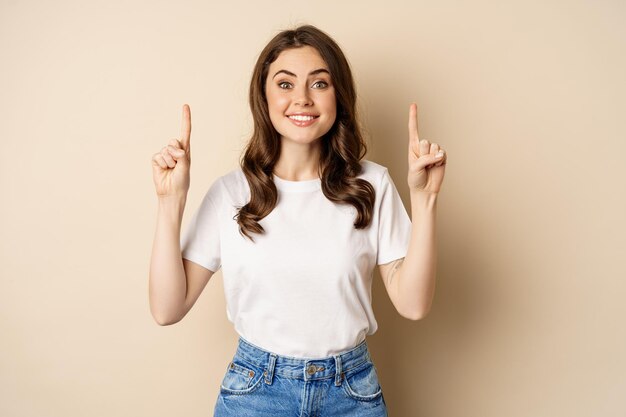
<point x="303" y="368"/>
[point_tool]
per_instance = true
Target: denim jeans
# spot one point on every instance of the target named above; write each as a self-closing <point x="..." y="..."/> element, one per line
<point x="260" y="383"/>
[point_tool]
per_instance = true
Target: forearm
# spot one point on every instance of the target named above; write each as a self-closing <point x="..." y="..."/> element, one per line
<point x="416" y="274"/>
<point x="167" y="283"/>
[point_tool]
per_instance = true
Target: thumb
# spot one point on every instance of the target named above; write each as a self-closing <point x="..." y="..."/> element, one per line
<point x="429" y="159"/>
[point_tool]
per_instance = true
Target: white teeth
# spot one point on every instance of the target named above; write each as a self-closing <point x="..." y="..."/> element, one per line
<point x="301" y="118"/>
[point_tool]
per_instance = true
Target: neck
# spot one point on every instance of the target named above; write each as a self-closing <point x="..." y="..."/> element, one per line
<point x="298" y="161"/>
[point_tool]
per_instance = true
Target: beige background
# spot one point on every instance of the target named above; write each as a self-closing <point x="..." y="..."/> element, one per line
<point x="527" y="98"/>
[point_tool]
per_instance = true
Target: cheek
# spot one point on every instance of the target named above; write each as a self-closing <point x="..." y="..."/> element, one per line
<point x="276" y="107"/>
<point x="330" y="103"/>
<point x="331" y="108"/>
<point x="275" y="102"/>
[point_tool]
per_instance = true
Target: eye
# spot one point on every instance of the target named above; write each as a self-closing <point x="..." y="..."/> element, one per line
<point x="281" y="83"/>
<point x="322" y="82"/>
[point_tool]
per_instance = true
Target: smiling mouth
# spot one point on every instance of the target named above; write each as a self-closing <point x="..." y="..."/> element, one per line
<point x="302" y="118"/>
<point x="302" y="121"/>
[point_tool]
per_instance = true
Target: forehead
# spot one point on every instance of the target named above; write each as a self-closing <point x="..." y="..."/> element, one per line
<point x="302" y="59"/>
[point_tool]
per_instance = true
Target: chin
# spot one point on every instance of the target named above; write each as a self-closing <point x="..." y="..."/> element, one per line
<point x="302" y="139"/>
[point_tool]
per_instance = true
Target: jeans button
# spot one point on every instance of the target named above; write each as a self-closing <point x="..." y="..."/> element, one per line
<point x="311" y="369"/>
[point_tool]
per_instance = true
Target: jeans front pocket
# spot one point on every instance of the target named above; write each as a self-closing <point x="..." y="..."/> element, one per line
<point x="241" y="378"/>
<point x="362" y="383"/>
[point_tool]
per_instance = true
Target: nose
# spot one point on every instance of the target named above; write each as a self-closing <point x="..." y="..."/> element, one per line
<point x="303" y="97"/>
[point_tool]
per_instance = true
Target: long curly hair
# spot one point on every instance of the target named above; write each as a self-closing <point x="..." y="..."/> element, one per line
<point x="342" y="147"/>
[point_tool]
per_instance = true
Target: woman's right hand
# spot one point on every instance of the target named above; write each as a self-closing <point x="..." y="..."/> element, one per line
<point x="170" y="166"/>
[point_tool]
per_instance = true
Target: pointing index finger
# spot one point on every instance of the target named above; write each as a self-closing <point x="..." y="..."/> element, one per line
<point x="185" y="133"/>
<point x="413" y="136"/>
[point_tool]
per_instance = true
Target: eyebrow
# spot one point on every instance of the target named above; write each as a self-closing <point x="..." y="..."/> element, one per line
<point x="314" y="72"/>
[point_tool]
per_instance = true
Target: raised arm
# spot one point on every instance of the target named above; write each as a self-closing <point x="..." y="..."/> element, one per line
<point x="410" y="281"/>
<point x="174" y="283"/>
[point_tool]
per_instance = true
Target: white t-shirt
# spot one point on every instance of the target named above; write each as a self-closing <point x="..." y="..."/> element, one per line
<point x="303" y="289"/>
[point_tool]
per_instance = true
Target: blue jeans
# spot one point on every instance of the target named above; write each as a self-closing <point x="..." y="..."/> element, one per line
<point x="259" y="383"/>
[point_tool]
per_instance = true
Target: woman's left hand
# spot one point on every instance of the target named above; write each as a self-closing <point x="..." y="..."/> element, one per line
<point x="426" y="170"/>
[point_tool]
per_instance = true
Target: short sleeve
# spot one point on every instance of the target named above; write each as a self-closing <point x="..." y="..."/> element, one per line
<point x="394" y="224"/>
<point x="200" y="240"/>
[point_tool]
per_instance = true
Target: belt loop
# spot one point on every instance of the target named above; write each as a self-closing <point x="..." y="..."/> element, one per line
<point x="269" y="372"/>
<point x="338" y="370"/>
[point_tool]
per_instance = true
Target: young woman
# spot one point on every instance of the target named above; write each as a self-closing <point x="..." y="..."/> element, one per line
<point x="298" y="229"/>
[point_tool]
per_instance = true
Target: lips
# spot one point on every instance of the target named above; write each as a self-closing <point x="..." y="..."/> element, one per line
<point x="301" y="115"/>
<point x="303" y="119"/>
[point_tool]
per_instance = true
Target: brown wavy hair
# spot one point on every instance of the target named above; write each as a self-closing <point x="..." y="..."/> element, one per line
<point x="342" y="147"/>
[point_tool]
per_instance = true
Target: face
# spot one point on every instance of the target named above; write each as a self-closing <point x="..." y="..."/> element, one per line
<point x="298" y="82"/>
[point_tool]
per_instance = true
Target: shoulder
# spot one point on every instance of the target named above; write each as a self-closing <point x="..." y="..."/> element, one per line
<point x="373" y="172"/>
<point x="231" y="187"/>
<point x="233" y="178"/>
<point x="372" y="167"/>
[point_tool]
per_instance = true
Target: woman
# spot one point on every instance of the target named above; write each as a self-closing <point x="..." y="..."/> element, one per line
<point x="298" y="229"/>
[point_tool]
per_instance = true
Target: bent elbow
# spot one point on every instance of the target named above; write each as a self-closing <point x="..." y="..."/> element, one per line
<point x="416" y="315"/>
<point x="162" y="320"/>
